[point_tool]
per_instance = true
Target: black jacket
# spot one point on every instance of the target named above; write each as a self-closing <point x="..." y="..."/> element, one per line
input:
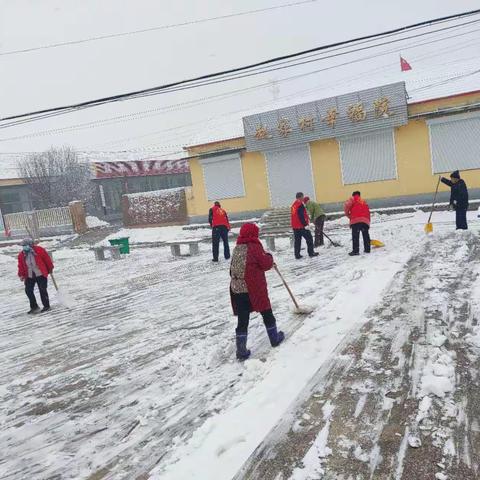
<point x="458" y="195"/>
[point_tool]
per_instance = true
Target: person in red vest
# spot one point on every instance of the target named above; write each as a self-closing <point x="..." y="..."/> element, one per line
<point x="248" y="288"/>
<point x="358" y="211"/>
<point x="34" y="266"/>
<point x="218" y="219"/>
<point x="300" y="220"/>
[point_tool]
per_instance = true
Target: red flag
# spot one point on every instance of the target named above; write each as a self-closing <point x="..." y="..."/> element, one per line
<point x="404" y="65"/>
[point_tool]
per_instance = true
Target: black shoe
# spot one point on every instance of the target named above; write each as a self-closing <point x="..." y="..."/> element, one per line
<point x="314" y="254"/>
<point x="354" y="254"/>
<point x="227" y="258"/>
<point x="33" y="310"/>
<point x="367" y="251"/>
<point x="45" y="309"/>
<point x="298" y="257"/>
<point x="214" y="261"/>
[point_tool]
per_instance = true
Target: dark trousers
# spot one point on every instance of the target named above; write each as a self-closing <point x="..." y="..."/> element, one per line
<point x="356" y="229"/>
<point x="243" y="307"/>
<point x="42" y="287"/>
<point x="300" y="233"/>
<point x="220" y="232"/>
<point x="319" y="223"/>
<point x="461" y="219"/>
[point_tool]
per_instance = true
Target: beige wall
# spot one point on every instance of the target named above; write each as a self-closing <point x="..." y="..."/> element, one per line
<point x="412" y="145"/>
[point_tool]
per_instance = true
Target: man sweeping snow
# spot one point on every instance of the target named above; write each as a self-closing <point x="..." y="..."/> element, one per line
<point x="358" y="212"/>
<point x="248" y="288"/>
<point x="218" y="219"/>
<point x="317" y="215"/>
<point x="458" y="198"/>
<point x="34" y="266"/>
<point x="300" y="221"/>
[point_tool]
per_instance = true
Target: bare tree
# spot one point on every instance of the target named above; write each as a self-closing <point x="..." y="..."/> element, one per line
<point x="56" y="177"/>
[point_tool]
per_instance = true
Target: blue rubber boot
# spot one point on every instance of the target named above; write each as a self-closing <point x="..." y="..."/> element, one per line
<point x="242" y="352"/>
<point x="276" y="337"/>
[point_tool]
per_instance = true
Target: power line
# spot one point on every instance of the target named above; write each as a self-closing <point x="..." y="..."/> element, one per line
<point x="201" y="101"/>
<point x="187" y="83"/>
<point x="157" y="28"/>
<point x="256" y="72"/>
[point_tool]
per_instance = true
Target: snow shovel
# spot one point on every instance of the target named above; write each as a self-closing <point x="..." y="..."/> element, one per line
<point x="63" y="298"/>
<point x="335" y="244"/>
<point x="299" y="310"/>
<point x="429" y="225"/>
<point x="376" y="243"/>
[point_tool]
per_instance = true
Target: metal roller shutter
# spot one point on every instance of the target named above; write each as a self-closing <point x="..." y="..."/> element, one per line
<point x="368" y="158"/>
<point x="289" y="172"/>
<point x="455" y="143"/>
<point x="223" y="176"/>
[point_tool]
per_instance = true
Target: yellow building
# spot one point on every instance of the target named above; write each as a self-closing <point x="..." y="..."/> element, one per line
<point x="396" y="162"/>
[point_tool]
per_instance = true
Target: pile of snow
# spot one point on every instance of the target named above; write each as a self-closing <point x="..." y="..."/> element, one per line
<point x="93" y="222"/>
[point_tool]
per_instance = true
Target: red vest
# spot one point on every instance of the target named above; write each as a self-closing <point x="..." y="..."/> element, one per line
<point x="359" y="211"/>
<point x="220" y="217"/>
<point x="295" y="219"/>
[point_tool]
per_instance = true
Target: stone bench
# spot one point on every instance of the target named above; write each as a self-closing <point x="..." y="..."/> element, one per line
<point x="270" y="239"/>
<point x="193" y="247"/>
<point x="100" y="250"/>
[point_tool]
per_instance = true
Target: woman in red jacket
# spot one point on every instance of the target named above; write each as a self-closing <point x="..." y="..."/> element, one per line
<point x="248" y="288"/>
<point x="34" y="265"/>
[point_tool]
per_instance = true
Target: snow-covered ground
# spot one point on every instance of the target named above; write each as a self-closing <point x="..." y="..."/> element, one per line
<point x="138" y="380"/>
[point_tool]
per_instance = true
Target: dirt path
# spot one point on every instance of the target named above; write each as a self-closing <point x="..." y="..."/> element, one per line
<point x="370" y="413"/>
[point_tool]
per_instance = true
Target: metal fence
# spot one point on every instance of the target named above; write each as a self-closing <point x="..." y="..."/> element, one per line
<point x="51" y="219"/>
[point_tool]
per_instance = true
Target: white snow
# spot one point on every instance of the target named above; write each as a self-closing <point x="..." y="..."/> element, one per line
<point x="93" y="222"/>
<point x="141" y="374"/>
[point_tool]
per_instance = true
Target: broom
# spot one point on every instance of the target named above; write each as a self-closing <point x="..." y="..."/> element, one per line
<point x="299" y="310"/>
<point x="429" y="225"/>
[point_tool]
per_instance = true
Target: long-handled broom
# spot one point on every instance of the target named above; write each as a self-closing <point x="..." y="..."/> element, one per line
<point x="299" y="310"/>
<point x="429" y="225"/>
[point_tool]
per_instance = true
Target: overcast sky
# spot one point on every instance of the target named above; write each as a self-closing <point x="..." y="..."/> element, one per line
<point x="57" y="76"/>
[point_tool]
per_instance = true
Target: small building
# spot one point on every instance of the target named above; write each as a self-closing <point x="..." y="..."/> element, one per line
<point x="373" y="140"/>
<point x="116" y="178"/>
<point x="14" y="194"/>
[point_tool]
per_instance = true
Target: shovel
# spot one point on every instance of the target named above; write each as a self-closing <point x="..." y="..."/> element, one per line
<point x="63" y="297"/>
<point x="299" y="310"/>
<point x="429" y="225"/>
<point x="335" y="244"/>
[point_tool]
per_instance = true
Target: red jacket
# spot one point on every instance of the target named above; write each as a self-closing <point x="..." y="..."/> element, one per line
<point x="218" y="217"/>
<point x="249" y="264"/>
<point x="42" y="259"/>
<point x="299" y="215"/>
<point x="357" y="210"/>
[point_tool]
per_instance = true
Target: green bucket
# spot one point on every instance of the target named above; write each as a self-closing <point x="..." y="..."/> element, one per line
<point x="122" y="243"/>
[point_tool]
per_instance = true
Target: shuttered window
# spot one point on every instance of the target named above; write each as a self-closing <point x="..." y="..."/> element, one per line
<point x="368" y="158"/>
<point x="289" y="172"/>
<point x="455" y="143"/>
<point x="223" y="176"/>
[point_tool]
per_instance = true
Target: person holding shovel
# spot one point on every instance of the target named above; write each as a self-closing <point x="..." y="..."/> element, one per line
<point x="358" y="212"/>
<point x="34" y="266"/>
<point x="248" y="288"/>
<point x="300" y="221"/>
<point x="458" y="198"/>
<point x="317" y="216"/>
